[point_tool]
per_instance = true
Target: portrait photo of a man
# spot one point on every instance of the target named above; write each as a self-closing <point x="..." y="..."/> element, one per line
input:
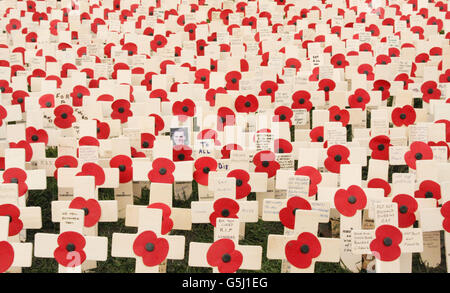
<point x="179" y="136"/>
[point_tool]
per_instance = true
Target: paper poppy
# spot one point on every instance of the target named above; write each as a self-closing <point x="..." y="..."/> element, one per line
<point x="250" y="21"/>
<point x="445" y="77"/>
<point x="383" y="59"/>
<point x="301" y="100"/>
<point x="3" y="114"/>
<point x="405" y="79"/>
<point x="283" y="114"/>
<point x="225" y="117"/>
<point x="373" y="29"/>
<point x="282" y="146"/>
<point x="407" y="206"/>
<point x="167" y="222"/>
<point x="159" y="94"/>
<point x="182" y="153"/>
<point x="7" y="253"/>
<point x="428" y="189"/>
<point x="224" y="208"/>
<point x="4" y="87"/>
<point x="326" y="85"/>
<point x="265" y="162"/>
<point x="349" y="201"/>
<point x="337" y="156"/>
<point x="359" y="99"/>
<point x="403" y="116"/>
<point x="34" y="135"/>
<point x="303" y="250"/>
<point x="246" y="104"/>
<point x="183" y="109"/>
<point x="121" y="110"/>
<point x="209" y="134"/>
<point x="16" y="175"/>
<point x="158" y="42"/>
<point x="445" y="212"/>
<point x="226" y="150"/>
<point x="77" y="95"/>
<point x="287" y="214"/>
<point x="268" y="88"/>
<point x="441" y="143"/>
<point x="223" y="255"/>
<point x="91" y="208"/>
<point x="18" y="98"/>
<point x="14" y="24"/>
<point x="69" y="252"/>
<point x="162" y="170"/>
<point x="203" y="166"/>
<point x="338" y="61"/>
<point x="125" y="166"/>
<point x="316" y="134"/>
<point x="136" y="154"/>
<point x="232" y="79"/>
<point x="243" y="189"/>
<point x="380" y="147"/>
<point x="202" y="77"/>
<point x="147" y="81"/>
<point x="418" y="150"/>
<point x="210" y="95"/>
<point x="23" y="145"/>
<point x="430" y="91"/>
<point x="147" y="140"/>
<point x="64" y="117"/>
<point x="92" y="169"/>
<point x="103" y="130"/>
<point x="159" y="123"/>
<point x="152" y="249"/>
<point x="367" y="70"/>
<point x="385" y="246"/>
<point x="293" y="63"/>
<point x="15" y="223"/>
<point x="338" y="115"/>
<point x="380" y="183"/>
<point x="65" y="162"/>
<point x="314" y="178"/>
<point x="383" y="86"/>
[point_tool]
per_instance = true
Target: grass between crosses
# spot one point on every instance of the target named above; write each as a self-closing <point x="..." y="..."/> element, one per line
<point x="255" y="234"/>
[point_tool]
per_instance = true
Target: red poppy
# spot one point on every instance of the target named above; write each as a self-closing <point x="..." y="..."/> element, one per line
<point x="300" y="252"/>
<point x="65" y="162"/>
<point x="159" y="41"/>
<point x="282" y="146"/>
<point x="301" y="100"/>
<point x="34" y="135"/>
<point x="373" y="29"/>
<point x="250" y="21"/>
<point x="92" y="169"/>
<point x="405" y="78"/>
<point x="14" y="24"/>
<point x="383" y="59"/>
<point x="31" y="37"/>
<point x="159" y="94"/>
<point x="314" y="178"/>
<point x="359" y="99"/>
<point x="226" y="150"/>
<point x="4" y="87"/>
<point x="91" y="208"/>
<point x="64" y="116"/>
<point x="147" y="81"/>
<point x="15" y="223"/>
<point x="383" y="86"/>
<point x="428" y="189"/>
<point x="103" y="130"/>
<point x="125" y="166"/>
<point x="246" y="104"/>
<point x="326" y="85"/>
<point x="18" y="98"/>
<point x="77" y="95"/>
<point x="380" y="147"/>
<point x="405" y="115"/>
<point x="202" y="77"/>
<point x="422" y="58"/>
<point x="210" y="95"/>
<point x="203" y="166"/>
<point x="380" y="183"/>
<point x="338" y="61"/>
<point x="268" y="88"/>
<point x="183" y="109"/>
<point x="152" y="249"/>
<point x="385" y="246"/>
<point x="159" y="123"/>
<point x="147" y="140"/>
<point x="293" y="63"/>
<point x="338" y="115"/>
<point x="223" y="255"/>
<point x="23" y="145"/>
<point x="16" y="175"/>
<point x="283" y="114"/>
<point x="232" y="78"/>
<point x="316" y="134"/>
<point x="167" y="223"/>
<point x="3" y="114"/>
<point x="162" y="170"/>
<point x="445" y="77"/>
<point x="366" y="69"/>
<point x="349" y="201"/>
<point x="69" y="252"/>
<point x="182" y="153"/>
<point x="445" y="212"/>
<point x="418" y="151"/>
<point x="407" y="206"/>
<point x="337" y="156"/>
<point x="7" y="253"/>
<point x="224" y="208"/>
<point x="265" y="162"/>
<point x="225" y="117"/>
<point x="121" y="110"/>
<point x="440" y="143"/>
<point x="430" y="91"/>
<point x="136" y="154"/>
<point x="243" y="189"/>
<point x="287" y="214"/>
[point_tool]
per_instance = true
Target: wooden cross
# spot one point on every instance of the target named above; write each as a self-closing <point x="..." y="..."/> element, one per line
<point x="148" y="246"/>
<point x="302" y="248"/>
<point x="225" y="255"/>
<point x="70" y="248"/>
